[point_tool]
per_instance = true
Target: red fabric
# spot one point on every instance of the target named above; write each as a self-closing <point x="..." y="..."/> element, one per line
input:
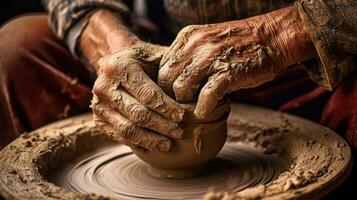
<point x="340" y="112"/>
<point x="40" y="81"/>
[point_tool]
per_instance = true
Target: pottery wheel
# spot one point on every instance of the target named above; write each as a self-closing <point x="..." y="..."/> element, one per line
<point x="269" y="155"/>
<point x="117" y="172"/>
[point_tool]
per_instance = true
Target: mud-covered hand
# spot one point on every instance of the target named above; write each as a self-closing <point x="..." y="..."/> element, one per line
<point x="127" y="104"/>
<point x="210" y="61"/>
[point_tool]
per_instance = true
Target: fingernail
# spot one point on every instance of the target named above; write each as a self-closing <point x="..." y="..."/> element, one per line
<point x="164" y="145"/>
<point x="176" y="133"/>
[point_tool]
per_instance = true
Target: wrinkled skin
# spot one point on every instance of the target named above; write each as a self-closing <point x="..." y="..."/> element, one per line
<point x="132" y="109"/>
<point x="129" y="106"/>
<point x="210" y="61"/>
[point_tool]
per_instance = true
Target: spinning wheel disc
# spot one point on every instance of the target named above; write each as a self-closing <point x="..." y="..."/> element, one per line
<point x="306" y="161"/>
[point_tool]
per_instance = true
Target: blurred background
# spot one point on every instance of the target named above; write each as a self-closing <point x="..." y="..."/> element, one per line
<point x="12" y="8"/>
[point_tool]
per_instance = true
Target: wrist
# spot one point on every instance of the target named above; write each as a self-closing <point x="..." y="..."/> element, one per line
<point x="288" y="36"/>
<point x="104" y="34"/>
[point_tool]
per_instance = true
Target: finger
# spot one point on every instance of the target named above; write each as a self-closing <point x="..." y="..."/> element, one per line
<point x="133" y="109"/>
<point x="187" y="84"/>
<point x="101" y="84"/>
<point x="179" y="42"/>
<point x="177" y="58"/>
<point x="142" y="88"/>
<point x="168" y="73"/>
<point x="150" y="58"/>
<point x="124" y="130"/>
<point x="109" y="130"/>
<point x="198" y="51"/>
<point x="214" y="90"/>
<point x="140" y="115"/>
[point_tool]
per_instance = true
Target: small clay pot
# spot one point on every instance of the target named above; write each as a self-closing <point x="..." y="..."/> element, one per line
<point x="202" y="140"/>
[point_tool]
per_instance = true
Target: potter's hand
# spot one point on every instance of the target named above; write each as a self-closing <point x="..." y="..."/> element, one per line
<point x="127" y="104"/>
<point x="225" y="57"/>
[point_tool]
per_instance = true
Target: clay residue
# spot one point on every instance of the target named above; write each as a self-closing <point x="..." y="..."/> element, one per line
<point x="264" y="136"/>
<point x="313" y="157"/>
<point x="197" y="139"/>
<point x="117" y="173"/>
<point x="313" y="161"/>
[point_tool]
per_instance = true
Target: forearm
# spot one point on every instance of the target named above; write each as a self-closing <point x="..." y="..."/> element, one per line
<point x="105" y="33"/>
<point x="293" y="42"/>
<point x="283" y="31"/>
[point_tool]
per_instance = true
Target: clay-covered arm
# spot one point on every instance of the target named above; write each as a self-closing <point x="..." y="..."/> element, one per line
<point x="127" y="103"/>
<point x="105" y="33"/>
<point x="332" y="26"/>
<point x="224" y="57"/>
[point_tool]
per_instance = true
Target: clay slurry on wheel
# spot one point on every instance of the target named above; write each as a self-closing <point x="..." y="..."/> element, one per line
<point x="317" y="160"/>
<point x="117" y="172"/>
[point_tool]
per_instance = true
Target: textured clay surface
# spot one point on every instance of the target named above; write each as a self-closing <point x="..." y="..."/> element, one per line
<point x="287" y="158"/>
<point x="202" y="140"/>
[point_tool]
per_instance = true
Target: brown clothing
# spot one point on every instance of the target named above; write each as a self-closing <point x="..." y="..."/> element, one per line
<point x="333" y="29"/>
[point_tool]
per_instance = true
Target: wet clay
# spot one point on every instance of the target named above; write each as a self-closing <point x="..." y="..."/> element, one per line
<point x="116" y="172"/>
<point x="287" y="158"/>
<point x="201" y="141"/>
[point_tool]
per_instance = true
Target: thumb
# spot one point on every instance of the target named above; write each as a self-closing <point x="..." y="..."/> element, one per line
<point x="213" y="91"/>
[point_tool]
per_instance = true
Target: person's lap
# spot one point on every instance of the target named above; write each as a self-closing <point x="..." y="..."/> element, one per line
<point x="40" y="80"/>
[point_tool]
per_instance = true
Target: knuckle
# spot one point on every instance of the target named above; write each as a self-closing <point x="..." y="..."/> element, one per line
<point x="113" y="64"/>
<point x="190" y="28"/>
<point x="105" y="64"/>
<point x="149" y="94"/>
<point x="165" y="74"/>
<point x="117" y="97"/>
<point x="100" y="85"/>
<point x="139" y="115"/>
<point x="96" y="105"/>
<point x="178" y="84"/>
<point x="109" y="69"/>
<point x="127" y="130"/>
<point x="106" y="130"/>
<point x="102" y="62"/>
<point x="98" y="123"/>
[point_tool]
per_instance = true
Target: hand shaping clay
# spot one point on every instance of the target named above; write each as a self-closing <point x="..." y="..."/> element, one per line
<point x="202" y="140"/>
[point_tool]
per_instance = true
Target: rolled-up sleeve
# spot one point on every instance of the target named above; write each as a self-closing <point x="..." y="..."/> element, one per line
<point x="68" y="18"/>
<point x="332" y="26"/>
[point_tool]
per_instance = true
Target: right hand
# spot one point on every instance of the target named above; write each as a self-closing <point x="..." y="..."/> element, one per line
<point x="129" y="106"/>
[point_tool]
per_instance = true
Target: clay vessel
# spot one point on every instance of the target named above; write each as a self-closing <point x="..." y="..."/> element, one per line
<point x="202" y="140"/>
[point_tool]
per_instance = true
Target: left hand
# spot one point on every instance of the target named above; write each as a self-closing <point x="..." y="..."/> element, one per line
<point x="221" y="58"/>
<point x="128" y="105"/>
